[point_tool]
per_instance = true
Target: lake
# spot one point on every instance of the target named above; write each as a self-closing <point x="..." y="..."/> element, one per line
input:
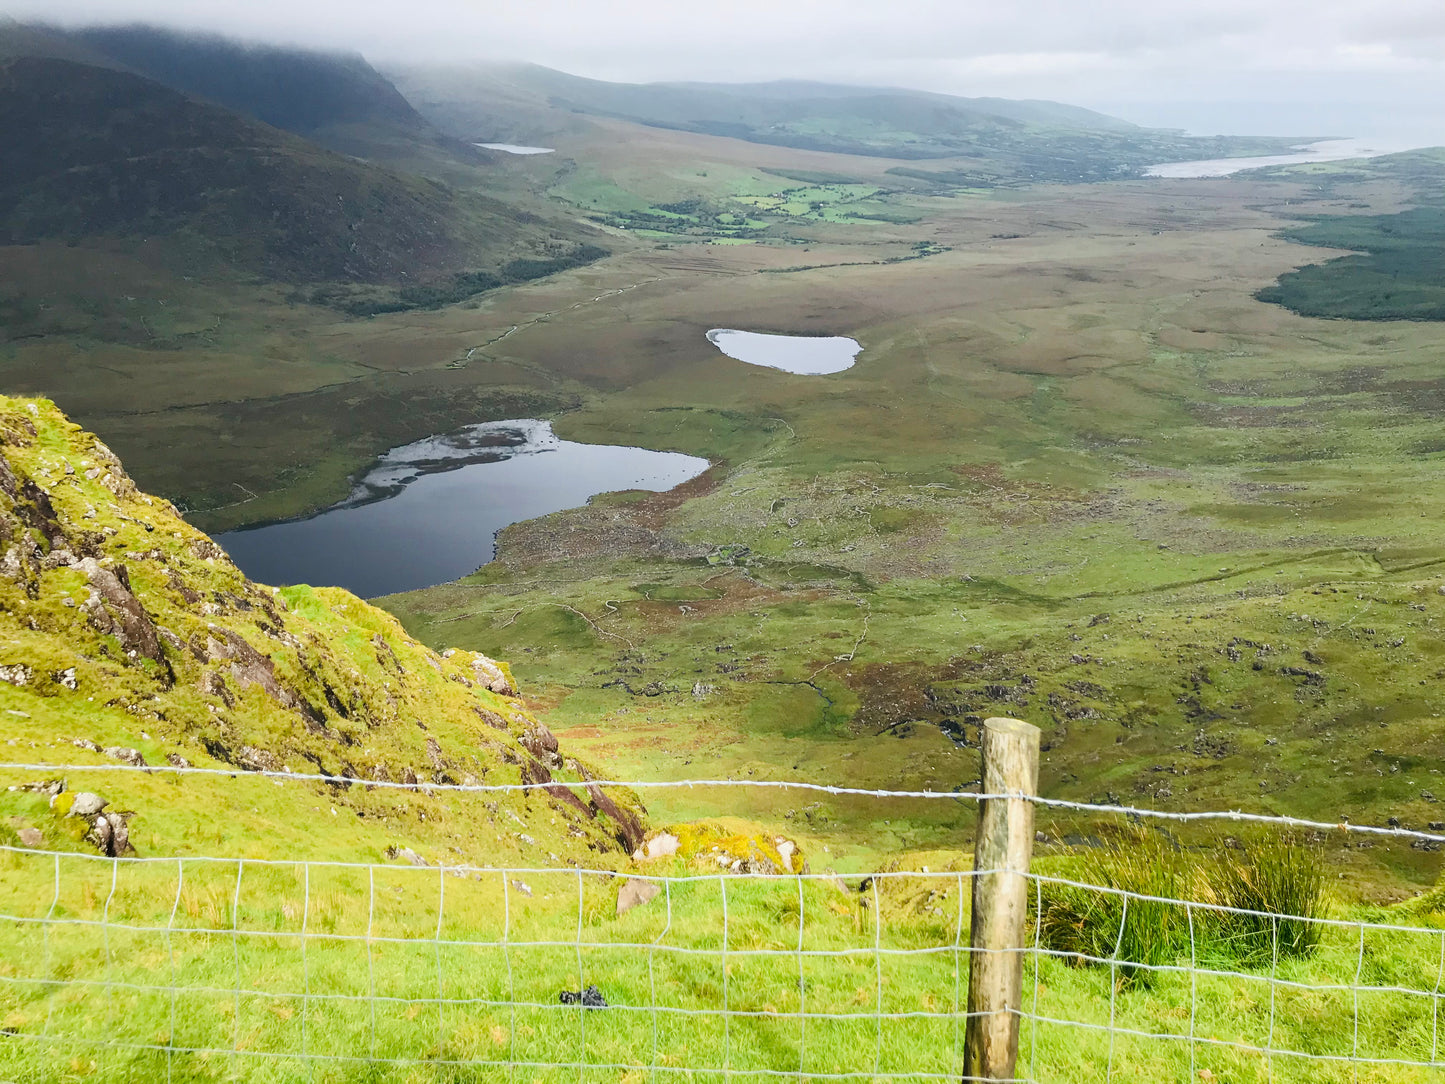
<point x="1327" y="150"/>
<point x="428" y="512"/>
<point x="811" y="355"/>
<point x="515" y="148"/>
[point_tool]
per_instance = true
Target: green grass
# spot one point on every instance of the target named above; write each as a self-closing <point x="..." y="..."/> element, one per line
<point x="223" y="960"/>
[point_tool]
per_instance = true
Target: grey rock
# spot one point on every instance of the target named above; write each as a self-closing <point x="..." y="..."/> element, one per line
<point x="786" y="849"/>
<point x="491" y="676"/>
<point x="31" y="837"/>
<point x="406" y="854"/>
<point x="542" y="744"/>
<point x="86" y="804"/>
<point x="86" y="743"/>
<point x="659" y="846"/>
<point x="15" y="674"/>
<point x="110" y="834"/>
<point x="113" y="609"/>
<point x="634" y="893"/>
<point x="125" y="756"/>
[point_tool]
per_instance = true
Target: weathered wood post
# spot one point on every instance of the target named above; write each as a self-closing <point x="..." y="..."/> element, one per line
<point x="1000" y="899"/>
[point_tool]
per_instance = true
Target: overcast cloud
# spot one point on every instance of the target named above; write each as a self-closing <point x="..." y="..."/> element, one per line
<point x="1366" y="67"/>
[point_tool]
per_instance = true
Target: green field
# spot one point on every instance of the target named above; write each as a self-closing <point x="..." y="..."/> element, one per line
<point x="269" y="972"/>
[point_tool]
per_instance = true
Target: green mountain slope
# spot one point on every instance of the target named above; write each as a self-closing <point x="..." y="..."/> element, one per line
<point x="126" y="634"/>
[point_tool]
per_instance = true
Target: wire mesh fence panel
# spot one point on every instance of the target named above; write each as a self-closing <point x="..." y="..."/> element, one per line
<point x="1136" y="966"/>
<point x="190" y="969"/>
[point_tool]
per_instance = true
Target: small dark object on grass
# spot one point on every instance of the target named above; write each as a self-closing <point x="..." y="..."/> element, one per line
<point x="590" y="998"/>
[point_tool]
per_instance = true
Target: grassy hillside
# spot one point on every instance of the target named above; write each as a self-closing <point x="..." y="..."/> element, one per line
<point x="128" y="634"/>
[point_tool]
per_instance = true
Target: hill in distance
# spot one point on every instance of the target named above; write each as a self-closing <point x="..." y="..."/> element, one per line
<point x="1037" y="140"/>
<point x="97" y="153"/>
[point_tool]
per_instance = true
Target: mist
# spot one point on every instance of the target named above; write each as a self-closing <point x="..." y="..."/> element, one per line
<point x="1295" y="66"/>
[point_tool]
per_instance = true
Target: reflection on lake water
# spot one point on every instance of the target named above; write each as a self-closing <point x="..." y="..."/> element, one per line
<point x="515" y="148"/>
<point x="808" y="354"/>
<point x="1327" y="150"/>
<point x="427" y="512"/>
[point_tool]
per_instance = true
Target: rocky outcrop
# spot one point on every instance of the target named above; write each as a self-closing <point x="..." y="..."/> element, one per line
<point x="115" y="610"/>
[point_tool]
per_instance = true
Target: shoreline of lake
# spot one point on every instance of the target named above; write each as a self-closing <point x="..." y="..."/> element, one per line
<point x="1325" y="150"/>
<point x="804" y="355"/>
<point x="429" y="512"/>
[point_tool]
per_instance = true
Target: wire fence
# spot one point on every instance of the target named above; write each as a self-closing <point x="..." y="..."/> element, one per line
<point x="190" y="968"/>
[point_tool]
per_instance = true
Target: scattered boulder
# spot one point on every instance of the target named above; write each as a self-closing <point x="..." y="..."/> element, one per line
<point x="405" y="854"/>
<point x="659" y="846"/>
<point x="634" y="893"/>
<point x="125" y="756"/>
<point x="786" y="849"/>
<point x="87" y="744"/>
<point x="110" y="834"/>
<point x="50" y="787"/>
<point x="175" y="760"/>
<point x="256" y="760"/>
<point x="15" y="674"/>
<point x="491" y="675"/>
<point x="85" y="804"/>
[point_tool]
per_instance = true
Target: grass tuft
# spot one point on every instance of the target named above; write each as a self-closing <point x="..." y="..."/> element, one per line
<point x="1268" y="877"/>
<point x="1254" y="901"/>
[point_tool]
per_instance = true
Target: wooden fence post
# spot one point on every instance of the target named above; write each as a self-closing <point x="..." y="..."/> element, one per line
<point x="1000" y="899"/>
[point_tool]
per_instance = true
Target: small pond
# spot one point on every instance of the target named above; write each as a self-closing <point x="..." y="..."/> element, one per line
<point x="428" y="512"/>
<point x="812" y="355"/>
<point x="515" y="148"/>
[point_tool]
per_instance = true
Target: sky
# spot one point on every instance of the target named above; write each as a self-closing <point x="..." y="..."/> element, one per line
<point x="1342" y="67"/>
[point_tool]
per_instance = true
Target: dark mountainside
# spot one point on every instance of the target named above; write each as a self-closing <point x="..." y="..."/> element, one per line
<point x="301" y="91"/>
<point x="94" y="151"/>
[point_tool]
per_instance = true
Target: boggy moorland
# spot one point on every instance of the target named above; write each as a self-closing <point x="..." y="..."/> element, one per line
<point x="1080" y="474"/>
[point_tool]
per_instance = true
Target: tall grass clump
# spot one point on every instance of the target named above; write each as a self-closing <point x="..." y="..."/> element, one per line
<point x="1251" y="902"/>
<point x="1274" y="888"/>
<point x="1090" y="926"/>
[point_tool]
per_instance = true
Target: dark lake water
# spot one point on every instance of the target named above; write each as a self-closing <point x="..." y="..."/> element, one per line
<point x="428" y="512"/>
